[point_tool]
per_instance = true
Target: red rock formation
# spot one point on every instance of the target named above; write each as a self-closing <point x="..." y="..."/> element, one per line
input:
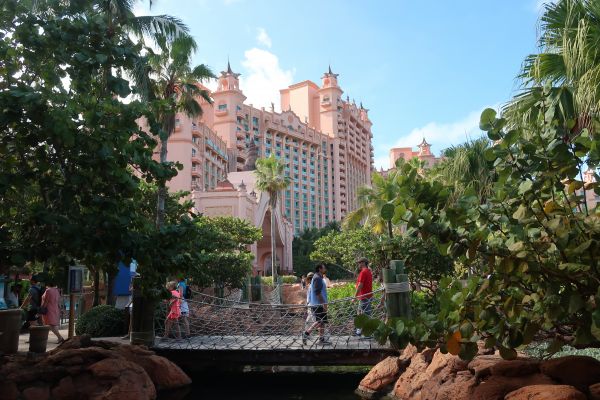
<point x="431" y="375"/>
<point x="89" y="370"/>
<point x="546" y="392"/>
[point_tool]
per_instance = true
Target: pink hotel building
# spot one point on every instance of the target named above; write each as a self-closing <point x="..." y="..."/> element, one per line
<point x="324" y="141"/>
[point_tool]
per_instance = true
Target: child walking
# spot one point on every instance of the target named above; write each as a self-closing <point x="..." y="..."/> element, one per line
<point x="174" y="310"/>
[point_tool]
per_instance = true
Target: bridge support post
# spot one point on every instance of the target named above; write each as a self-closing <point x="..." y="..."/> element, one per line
<point x="142" y="316"/>
<point x="397" y="294"/>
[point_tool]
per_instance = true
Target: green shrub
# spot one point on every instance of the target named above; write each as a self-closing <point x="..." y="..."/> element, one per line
<point x="101" y="321"/>
<point x="268" y="280"/>
<point x="541" y="350"/>
<point x="347" y="290"/>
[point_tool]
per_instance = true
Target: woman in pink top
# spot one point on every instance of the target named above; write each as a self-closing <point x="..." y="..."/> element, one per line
<point x="174" y="311"/>
<point x="50" y="302"/>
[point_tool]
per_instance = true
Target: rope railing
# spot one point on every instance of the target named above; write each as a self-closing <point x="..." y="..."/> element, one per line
<point x="225" y="323"/>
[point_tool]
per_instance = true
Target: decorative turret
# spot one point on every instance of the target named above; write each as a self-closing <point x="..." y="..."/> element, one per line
<point x="424" y="148"/>
<point x="229" y="80"/>
<point x="329" y="79"/>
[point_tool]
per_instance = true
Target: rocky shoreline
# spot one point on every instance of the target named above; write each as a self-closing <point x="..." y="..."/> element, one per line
<point x="82" y="368"/>
<point x="431" y="375"/>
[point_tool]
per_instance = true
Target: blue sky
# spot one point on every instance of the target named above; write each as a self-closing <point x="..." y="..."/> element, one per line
<point x="423" y="68"/>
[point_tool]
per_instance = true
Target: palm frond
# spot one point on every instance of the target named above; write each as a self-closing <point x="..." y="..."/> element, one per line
<point x="159" y="26"/>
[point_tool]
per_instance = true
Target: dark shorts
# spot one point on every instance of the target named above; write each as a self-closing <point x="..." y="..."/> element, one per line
<point x="320" y="314"/>
<point x="32" y="315"/>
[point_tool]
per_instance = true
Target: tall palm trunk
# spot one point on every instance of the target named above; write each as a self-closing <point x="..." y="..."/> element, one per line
<point x="169" y="127"/>
<point x="162" y="189"/>
<point x="273" y="202"/>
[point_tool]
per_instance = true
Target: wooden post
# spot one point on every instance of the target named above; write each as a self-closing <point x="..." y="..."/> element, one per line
<point x="391" y="299"/>
<point x="71" y="315"/>
<point x="142" y="316"/>
<point x="403" y="298"/>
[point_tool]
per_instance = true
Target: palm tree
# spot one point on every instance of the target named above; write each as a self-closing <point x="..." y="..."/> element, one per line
<point x="175" y="83"/>
<point x="372" y="200"/>
<point x="271" y="179"/>
<point x="465" y="168"/>
<point x="567" y="68"/>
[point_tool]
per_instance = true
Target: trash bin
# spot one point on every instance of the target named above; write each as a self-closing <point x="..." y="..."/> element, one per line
<point x="38" y="338"/>
<point x="10" y="326"/>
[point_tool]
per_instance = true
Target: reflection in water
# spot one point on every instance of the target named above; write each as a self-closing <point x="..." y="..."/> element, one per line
<point x="274" y="383"/>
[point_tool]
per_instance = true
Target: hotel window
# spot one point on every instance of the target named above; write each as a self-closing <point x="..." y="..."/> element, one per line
<point x="255" y="120"/>
<point x="223" y="107"/>
<point x="193" y="152"/>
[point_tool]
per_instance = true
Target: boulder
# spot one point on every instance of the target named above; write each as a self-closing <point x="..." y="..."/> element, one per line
<point x="578" y="371"/>
<point x="381" y="375"/>
<point x="594" y="391"/>
<point x="546" y="392"/>
<point x="65" y="390"/>
<point x="9" y="391"/>
<point x="131" y="382"/>
<point x="409" y="385"/>
<point x="446" y="363"/>
<point x="36" y="393"/>
<point x="481" y="366"/>
<point x="495" y="387"/>
<point x="86" y="369"/>
<point x="164" y="373"/>
<point x="450" y="386"/>
<point x="518" y="367"/>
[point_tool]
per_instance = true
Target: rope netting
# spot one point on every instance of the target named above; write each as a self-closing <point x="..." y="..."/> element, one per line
<point x="226" y="323"/>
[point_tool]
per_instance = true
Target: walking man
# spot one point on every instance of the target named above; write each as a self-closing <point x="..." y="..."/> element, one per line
<point x="318" y="303"/>
<point x="364" y="289"/>
<point x="33" y="301"/>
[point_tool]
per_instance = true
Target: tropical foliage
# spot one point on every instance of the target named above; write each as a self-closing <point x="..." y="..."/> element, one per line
<point x="535" y="230"/>
<point x="78" y="183"/>
<point x="303" y="246"/>
<point x="175" y="84"/>
<point x="467" y="169"/>
<point x="69" y="144"/>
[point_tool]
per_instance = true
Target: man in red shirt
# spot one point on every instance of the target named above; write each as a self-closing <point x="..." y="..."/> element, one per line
<point x="364" y="288"/>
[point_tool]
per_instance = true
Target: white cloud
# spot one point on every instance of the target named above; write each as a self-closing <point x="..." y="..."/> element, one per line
<point x="263" y="37"/>
<point x="439" y="135"/>
<point x="264" y="77"/>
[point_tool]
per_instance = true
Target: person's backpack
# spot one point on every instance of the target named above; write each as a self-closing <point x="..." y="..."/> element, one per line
<point x="188" y="293"/>
<point x="40" y="291"/>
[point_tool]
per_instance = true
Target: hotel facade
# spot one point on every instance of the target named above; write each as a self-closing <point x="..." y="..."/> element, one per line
<point x="323" y="140"/>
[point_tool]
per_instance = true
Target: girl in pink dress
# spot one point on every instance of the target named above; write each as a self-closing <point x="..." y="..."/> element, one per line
<point x="50" y="302"/>
<point x="174" y="310"/>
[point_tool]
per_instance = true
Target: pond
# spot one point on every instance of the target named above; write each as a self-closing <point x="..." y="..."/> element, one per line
<point x="277" y="383"/>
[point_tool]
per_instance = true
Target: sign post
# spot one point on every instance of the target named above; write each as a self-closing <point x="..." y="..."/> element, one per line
<point x="75" y="286"/>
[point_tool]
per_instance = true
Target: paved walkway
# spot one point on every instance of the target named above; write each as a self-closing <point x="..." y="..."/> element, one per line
<point x="52" y="340"/>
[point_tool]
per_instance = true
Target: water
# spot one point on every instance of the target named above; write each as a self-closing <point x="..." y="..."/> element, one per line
<point x="280" y="383"/>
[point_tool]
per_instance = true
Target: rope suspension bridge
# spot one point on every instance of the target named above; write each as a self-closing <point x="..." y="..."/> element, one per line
<point x="231" y="331"/>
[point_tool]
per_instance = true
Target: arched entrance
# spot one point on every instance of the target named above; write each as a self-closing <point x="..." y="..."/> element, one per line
<point x="263" y="247"/>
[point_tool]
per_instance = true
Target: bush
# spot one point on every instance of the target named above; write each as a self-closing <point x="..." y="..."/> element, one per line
<point x="268" y="280"/>
<point x="101" y="321"/>
<point x="344" y="291"/>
